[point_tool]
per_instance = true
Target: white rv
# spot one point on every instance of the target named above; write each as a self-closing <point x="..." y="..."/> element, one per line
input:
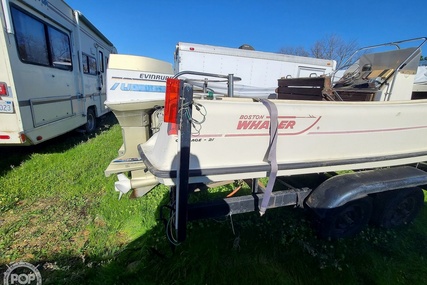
<point x="53" y="63"/>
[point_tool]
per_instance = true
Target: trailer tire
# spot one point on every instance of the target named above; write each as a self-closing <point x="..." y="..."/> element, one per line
<point x="90" y="125"/>
<point x="398" y="207"/>
<point x="347" y="220"/>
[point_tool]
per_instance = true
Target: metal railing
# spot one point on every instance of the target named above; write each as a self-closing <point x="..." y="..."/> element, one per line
<point x="230" y="78"/>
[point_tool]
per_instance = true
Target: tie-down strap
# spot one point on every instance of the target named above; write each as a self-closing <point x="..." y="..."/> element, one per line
<point x="270" y="155"/>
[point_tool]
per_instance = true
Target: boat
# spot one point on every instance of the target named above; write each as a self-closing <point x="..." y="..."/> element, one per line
<point x="136" y="93"/>
<point x="369" y="119"/>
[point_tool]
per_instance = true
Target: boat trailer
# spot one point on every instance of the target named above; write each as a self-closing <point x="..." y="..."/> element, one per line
<point x="343" y="203"/>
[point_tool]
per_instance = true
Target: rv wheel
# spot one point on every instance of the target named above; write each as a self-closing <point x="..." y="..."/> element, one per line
<point x="90" y="126"/>
<point x="398" y="207"/>
<point x="347" y="220"/>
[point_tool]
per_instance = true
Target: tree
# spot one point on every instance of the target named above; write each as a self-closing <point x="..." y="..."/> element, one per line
<point x="300" y="51"/>
<point x="330" y="47"/>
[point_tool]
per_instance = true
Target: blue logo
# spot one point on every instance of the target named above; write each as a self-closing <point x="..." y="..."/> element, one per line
<point x="138" y="87"/>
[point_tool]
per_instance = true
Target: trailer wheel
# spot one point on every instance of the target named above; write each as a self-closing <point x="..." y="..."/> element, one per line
<point x="398" y="207"/>
<point x="347" y="220"/>
<point x="90" y="125"/>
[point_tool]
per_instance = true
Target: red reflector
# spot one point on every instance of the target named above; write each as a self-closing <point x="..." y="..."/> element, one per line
<point x="172" y="129"/>
<point x="172" y="100"/>
<point x="191" y="48"/>
<point x="3" y="89"/>
<point x="4" y="137"/>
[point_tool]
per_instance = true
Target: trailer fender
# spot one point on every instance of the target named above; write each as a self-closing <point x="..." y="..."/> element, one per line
<point x="341" y="189"/>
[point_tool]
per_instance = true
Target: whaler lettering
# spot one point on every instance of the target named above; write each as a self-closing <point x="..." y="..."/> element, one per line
<point x="263" y="124"/>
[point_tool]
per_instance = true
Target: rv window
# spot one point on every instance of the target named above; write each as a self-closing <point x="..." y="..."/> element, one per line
<point x="101" y="61"/>
<point x="60" y="49"/>
<point x="85" y="64"/>
<point x="89" y="64"/>
<point x="40" y="43"/>
<point x="92" y="65"/>
<point x="30" y="38"/>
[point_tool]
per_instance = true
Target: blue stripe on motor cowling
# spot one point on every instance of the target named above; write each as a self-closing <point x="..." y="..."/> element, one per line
<point x="138" y="87"/>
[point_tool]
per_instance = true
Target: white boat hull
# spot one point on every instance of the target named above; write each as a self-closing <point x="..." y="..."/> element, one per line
<point x="312" y="137"/>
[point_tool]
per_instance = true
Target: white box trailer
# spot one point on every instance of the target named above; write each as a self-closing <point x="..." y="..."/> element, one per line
<point x="53" y="63"/>
<point x="259" y="71"/>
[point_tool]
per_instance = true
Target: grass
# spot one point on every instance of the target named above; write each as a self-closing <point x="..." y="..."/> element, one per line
<point x="59" y="211"/>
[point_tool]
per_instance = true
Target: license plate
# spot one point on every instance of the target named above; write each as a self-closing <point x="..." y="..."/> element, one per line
<point x="6" y="107"/>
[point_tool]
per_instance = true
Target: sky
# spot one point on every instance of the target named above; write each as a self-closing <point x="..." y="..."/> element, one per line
<point x="152" y="28"/>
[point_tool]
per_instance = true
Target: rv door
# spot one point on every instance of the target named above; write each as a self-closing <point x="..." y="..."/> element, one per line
<point x="102" y="63"/>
